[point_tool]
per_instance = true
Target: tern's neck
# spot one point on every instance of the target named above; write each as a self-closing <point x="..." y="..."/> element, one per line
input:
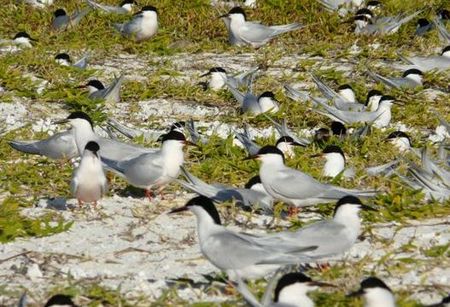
<point x="205" y="224"/>
<point x="415" y="78"/>
<point x="267" y="104"/>
<point x="236" y="23"/>
<point x="83" y="134"/>
<point x="347" y="215"/>
<point x="401" y="143"/>
<point x="172" y="152"/>
<point x="296" y="296"/>
<point x="90" y="162"/>
<point x="348" y="95"/>
<point x="217" y="80"/>
<point x="23" y="41"/>
<point x="373" y="103"/>
<point x="379" y="297"/>
<point x="384" y="115"/>
<point x="335" y="164"/>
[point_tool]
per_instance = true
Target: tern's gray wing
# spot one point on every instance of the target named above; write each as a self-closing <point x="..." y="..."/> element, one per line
<point x="327" y="91"/>
<point x="59" y="146"/>
<point x="60" y="22"/>
<point x="391" y="26"/>
<point x="257" y="34"/>
<point x="131" y="27"/>
<point x="107" y="8"/>
<point x="349" y="106"/>
<point x="442" y="120"/>
<point x="238" y="95"/>
<point x="386" y="169"/>
<point x="82" y="63"/>
<point x="251" y="147"/>
<point x="76" y="17"/>
<point x="444" y="35"/>
<point x="292" y="93"/>
<point x="284" y="130"/>
<point x="242" y="251"/>
<point x="193" y="132"/>
<point x="388" y="81"/>
<point x="112" y="92"/>
<point x="346" y="117"/>
<point x="243" y="78"/>
<point x="115" y="150"/>
<point x="330" y="237"/>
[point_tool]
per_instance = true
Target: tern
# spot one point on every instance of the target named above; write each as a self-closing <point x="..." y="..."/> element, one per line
<point x="376" y="293"/>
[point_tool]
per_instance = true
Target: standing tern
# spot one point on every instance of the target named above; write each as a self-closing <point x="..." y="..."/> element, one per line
<point x="58" y="146"/>
<point x="125" y="7"/>
<point x="242" y="32"/>
<point x="89" y="182"/>
<point x="293" y="186"/>
<point x="240" y="255"/>
<point x="411" y="78"/>
<point x="83" y="132"/>
<point x="376" y="293"/>
<point x="154" y="170"/>
<point x="290" y="291"/>
<point x="142" y="26"/>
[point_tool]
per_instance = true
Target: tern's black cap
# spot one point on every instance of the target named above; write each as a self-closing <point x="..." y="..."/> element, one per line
<point x="206" y="204"/>
<point x="59" y="12"/>
<point x="289" y="279"/>
<point x="81" y="115"/>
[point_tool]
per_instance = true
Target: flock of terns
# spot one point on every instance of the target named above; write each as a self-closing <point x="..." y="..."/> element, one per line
<point x="243" y="256"/>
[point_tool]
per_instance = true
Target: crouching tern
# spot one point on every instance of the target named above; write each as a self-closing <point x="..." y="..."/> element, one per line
<point x="110" y="94"/>
<point x="335" y="162"/>
<point x="21" y="39"/>
<point x="242" y="32"/>
<point x="290" y="291"/>
<point x="293" y="186"/>
<point x="219" y="78"/>
<point x="375" y="293"/>
<point x="58" y="146"/>
<point x="62" y="21"/>
<point x="434" y="62"/>
<point x="153" y="170"/>
<point x="252" y="104"/>
<point x="65" y="60"/>
<point x="125" y="7"/>
<point x="411" y="78"/>
<point x="89" y="182"/>
<point x="142" y="26"/>
<point x="240" y="255"/>
<point x="366" y="23"/>
<point x="332" y="237"/>
<point x="253" y="195"/>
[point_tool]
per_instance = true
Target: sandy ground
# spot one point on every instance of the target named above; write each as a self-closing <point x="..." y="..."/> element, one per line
<point x="135" y="245"/>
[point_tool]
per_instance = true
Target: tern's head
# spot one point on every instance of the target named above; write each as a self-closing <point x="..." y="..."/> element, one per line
<point x="178" y="126"/>
<point x="413" y="74"/>
<point x="446" y="52"/>
<point x="267" y="101"/>
<point x="322" y="135"/>
<point x="346" y="92"/>
<point x="215" y="71"/>
<point x="374" y="5"/>
<point x="236" y="14"/>
<point x="361" y="21"/>
<point x="332" y="153"/>
<point x="218" y="77"/>
<point x="94" y="85"/>
<point x="422" y="22"/>
<point x="338" y="128"/>
<point x="292" y="287"/>
<point x="174" y="138"/>
<point x="77" y="120"/>
<point x="443" y="14"/>
<point x="286" y="144"/>
<point x="92" y="147"/>
<point x="269" y="154"/>
<point x="60" y="300"/>
<point x="387" y="100"/>
<point x="348" y="206"/>
<point x="202" y="207"/>
<point x="400" y="140"/>
<point x="375" y="293"/>
<point x="59" y="13"/>
<point x="63" y="59"/>
<point x="364" y="12"/>
<point x="128" y="5"/>
<point x="149" y="12"/>
<point x="23" y="38"/>
<point x="373" y="99"/>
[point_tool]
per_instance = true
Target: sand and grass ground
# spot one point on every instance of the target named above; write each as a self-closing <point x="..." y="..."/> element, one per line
<point x="130" y="252"/>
